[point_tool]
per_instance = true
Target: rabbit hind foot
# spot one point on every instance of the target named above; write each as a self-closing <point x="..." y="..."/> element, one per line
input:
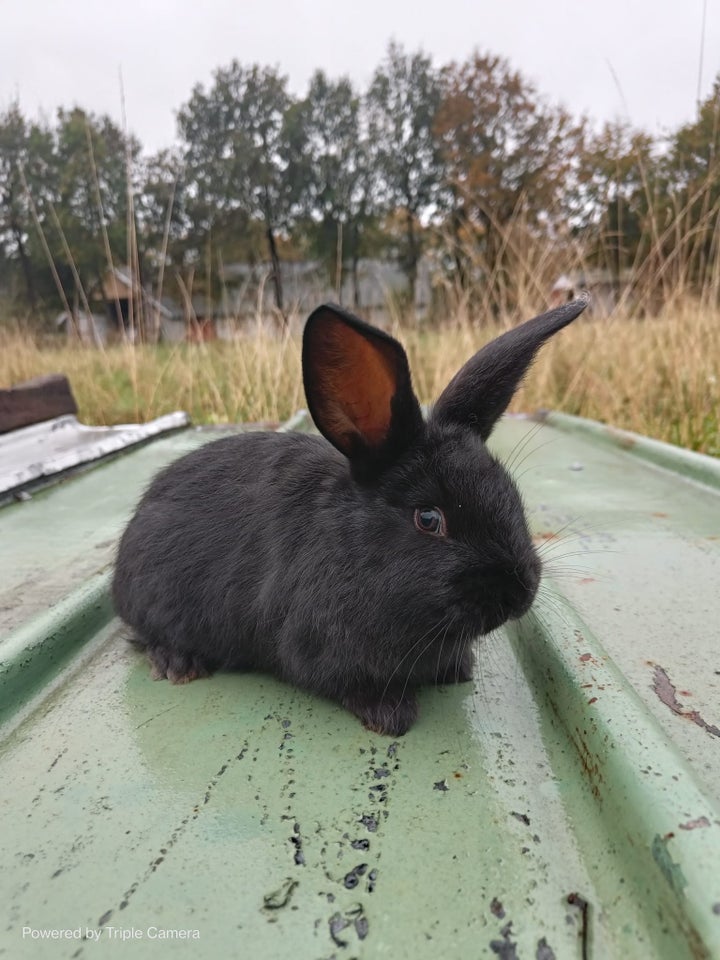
<point x="177" y="666"/>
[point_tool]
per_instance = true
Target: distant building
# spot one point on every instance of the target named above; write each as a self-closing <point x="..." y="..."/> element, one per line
<point x="92" y="329"/>
<point x="122" y="309"/>
<point x="131" y="309"/>
<point x="249" y="288"/>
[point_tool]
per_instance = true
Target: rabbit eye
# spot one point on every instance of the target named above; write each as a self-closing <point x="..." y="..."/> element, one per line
<point x="430" y="520"/>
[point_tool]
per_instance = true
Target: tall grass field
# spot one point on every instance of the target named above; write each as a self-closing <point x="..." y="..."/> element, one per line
<point x="658" y="376"/>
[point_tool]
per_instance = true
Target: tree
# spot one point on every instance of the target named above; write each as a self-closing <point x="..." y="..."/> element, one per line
<point x="162" y="218"/>
<point x="236" y="156"/>
<point x="505" y="154"/>
<point x="64" y="196"/>
<point x="88" y="217"/>
<point x="616" y="200"/>
<point x="25" y="154"/>
<point x="329" y="173"/>
<point x="692" y="169"/>
<point x="401" y="104"/>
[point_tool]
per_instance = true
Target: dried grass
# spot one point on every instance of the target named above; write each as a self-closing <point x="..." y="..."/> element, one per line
<point x="658" y="376"/>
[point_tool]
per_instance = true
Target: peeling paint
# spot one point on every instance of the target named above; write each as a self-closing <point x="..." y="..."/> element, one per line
<point x="671" y="870"/>
<point x="505" y="949"/>
<point x="281" y="897"/>
<point x="666" y="691"/>
<point x="694" y="824"/>
<point x="544" y="950"/>
<point x="496" y="908"/>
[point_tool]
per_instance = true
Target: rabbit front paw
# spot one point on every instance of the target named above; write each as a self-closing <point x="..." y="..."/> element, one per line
<point x="388" y="713"/>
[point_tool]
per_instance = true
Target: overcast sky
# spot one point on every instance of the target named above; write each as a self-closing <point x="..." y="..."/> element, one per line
<point x="60" y="53"/>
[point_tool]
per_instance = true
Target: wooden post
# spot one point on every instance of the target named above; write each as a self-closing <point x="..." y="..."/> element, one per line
<point x="34" y="401"/>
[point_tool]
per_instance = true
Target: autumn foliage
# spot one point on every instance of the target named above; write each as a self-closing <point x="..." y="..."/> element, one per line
<point x="467" y="162"/>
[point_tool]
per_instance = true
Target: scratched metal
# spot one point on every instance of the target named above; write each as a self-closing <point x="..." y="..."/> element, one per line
<point x="54" y="446"/>
<point x="563" y="805"/>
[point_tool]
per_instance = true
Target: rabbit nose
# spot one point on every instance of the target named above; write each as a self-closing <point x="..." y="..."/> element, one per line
<point x="515" y="595"/>
<point x="504" y="591"/>
<point x="521" y="602"/>
<point x="523" y="586"/>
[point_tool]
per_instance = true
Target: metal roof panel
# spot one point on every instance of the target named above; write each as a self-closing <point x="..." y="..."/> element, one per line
<point x="565" y="804"/>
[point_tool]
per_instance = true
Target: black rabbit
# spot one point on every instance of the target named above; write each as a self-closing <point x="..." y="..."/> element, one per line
<point x="359" y="568"/>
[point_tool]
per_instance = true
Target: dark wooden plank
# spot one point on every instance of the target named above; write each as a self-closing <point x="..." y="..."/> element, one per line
<point x="33" y="401"/>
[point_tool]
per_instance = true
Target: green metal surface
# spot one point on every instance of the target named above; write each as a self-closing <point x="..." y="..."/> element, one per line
<point x="565" y="804"/>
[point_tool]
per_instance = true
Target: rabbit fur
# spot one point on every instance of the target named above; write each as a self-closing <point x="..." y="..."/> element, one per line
<point x="359" y="564"/>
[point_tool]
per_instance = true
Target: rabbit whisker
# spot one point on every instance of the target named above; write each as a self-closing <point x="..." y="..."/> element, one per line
<point x="462" y="644"/>
<point x="439" y="658"/>
<point x="521" y="444"/>
<point x="417" y="658"/>
<point x="436" y="627"/>
<point x="529" y="453"/>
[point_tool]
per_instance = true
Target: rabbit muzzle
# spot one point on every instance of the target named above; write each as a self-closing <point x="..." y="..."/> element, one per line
<point x="494" y="593"/>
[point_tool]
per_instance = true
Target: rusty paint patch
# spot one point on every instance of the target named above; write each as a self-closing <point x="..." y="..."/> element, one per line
<point x="590" y="764"/>
<point x="584" y="657"/>
<point x="666" y="691"/>
<point x="592" y="700"/>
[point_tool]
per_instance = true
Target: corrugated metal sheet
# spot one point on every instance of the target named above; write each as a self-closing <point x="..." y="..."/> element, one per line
<point x="564" y="805"/>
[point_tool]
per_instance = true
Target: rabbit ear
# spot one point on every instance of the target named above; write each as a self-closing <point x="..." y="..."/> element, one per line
<point x="358" y="388"/>
<point x="482" y="389"/>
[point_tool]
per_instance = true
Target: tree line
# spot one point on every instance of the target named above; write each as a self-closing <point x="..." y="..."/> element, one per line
<point x="467" y="160"/>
